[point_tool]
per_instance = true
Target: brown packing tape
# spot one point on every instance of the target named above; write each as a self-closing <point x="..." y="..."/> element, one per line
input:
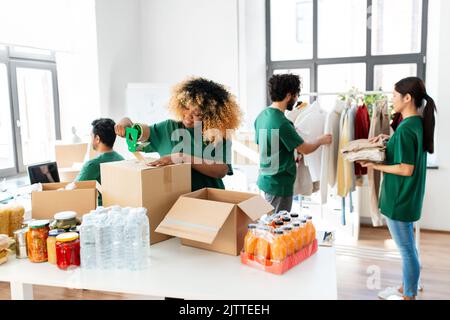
<point x="139" y="156"/>
<point x="167" y="179"/>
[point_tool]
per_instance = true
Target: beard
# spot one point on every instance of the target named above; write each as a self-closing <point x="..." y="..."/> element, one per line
<point x="291" y="105"/>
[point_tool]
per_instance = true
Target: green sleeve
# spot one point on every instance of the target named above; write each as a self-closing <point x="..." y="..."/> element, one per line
<point x="159" y="134"/>
<point x="90" y="171"/>
<point x="405" y="148"/>
<point x="289" y="136"/>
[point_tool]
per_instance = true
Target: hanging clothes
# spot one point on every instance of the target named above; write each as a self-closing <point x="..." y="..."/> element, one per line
<point x="396" y="121"/>
<point x="310" y="126"/>
<point x="351" y="127"/>
<point x="344" y="177"/>
<point x="378" y="125"/>
<point x="330" y="152"/>
<point x="303" y="184"/>
<point x="362" y="126"/>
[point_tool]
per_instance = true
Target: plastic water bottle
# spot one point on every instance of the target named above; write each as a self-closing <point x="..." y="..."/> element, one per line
<point x="133" y="239"/>
<point x="87" y="242"/>
<point x="145" y="227"/>
<point x="118" y="220"/>
<point x="103" y="241"/>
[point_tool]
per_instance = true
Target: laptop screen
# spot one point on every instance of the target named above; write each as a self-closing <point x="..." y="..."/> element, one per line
<point x="43" y="173"/>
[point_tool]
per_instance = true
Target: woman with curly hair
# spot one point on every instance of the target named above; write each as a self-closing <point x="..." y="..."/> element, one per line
<point x="205" y="116"/>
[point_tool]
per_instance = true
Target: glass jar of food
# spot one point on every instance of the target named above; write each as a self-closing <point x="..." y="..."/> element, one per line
<point x="68" y="250"/>
<point x="65" y="220"/>
<point x="37" y="240"/>
<point x="51" y="244"/>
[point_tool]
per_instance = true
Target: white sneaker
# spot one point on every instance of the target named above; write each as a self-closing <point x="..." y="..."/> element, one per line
<point x="394" y="297"/>
<point x="388" y="292"/>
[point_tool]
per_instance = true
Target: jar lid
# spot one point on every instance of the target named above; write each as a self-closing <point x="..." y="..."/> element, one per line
<point x="65" y="215"/>
<point x="252" y="226"/>
<point x="38" y="224"/>
<point x="294" y="215"/>
<point x="67" y="237"/>
<point x="56" y="232"/>
<point x="279" y="231"/>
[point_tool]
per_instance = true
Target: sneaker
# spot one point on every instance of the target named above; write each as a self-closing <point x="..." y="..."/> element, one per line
<point x="388" y="292"/>
<point x="394" y="297"/>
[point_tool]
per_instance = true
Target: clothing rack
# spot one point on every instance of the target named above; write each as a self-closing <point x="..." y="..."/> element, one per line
<point x="316" y="94"/>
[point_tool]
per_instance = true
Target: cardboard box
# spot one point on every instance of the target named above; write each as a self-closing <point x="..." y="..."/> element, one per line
<point x="67" y="154"/>
<point x="130" y="183"/>
<point x="45" y="203"/>
<point x="214" y="219"/>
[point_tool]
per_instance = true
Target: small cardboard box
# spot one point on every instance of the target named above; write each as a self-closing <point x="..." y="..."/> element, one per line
<point x="68" y="154"/>
<point x="130" y="183"/>
<point x="45" y="203"/>
<point x="214" y="219"/>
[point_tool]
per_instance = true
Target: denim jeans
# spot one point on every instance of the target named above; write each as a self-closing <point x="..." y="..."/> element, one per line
<point x="403" y="235"/>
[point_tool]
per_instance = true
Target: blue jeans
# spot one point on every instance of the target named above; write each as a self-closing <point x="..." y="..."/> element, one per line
<point x="403" y="235"/>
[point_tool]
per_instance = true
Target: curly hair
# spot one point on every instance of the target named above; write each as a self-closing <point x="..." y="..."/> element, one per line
<point x="282" y="84"/>
<point x="219" y="109"/>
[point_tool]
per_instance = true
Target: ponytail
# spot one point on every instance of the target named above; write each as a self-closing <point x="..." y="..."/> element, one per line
<point x="416" y="88"/>
<point x="429" y="123"/>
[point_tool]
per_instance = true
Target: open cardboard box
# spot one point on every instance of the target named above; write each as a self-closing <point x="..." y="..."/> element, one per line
<point x="214" y="219"/>
<point x="45" y="203"/>
<point x="130" y="183"/>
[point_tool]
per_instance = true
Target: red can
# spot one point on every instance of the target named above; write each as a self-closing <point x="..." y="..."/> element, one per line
<point x="68" y="250"/>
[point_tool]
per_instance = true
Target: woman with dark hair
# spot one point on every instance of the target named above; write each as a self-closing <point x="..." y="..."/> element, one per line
<point x="403" y="187"/>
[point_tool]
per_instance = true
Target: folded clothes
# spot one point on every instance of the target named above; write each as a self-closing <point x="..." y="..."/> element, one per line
<point x="362" y="144"/>
<point x="363" y="150"/>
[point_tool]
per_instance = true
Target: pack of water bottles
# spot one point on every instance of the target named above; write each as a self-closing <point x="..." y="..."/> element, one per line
<point x="115" y="238"/>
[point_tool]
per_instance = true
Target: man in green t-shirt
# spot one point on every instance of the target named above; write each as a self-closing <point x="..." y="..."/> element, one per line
<point x="103" y="138"/>
<point x="278" y="140"/>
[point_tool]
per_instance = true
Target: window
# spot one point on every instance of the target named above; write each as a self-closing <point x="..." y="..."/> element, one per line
<point x="340" y="44"/>
<point x="29" y="109"/>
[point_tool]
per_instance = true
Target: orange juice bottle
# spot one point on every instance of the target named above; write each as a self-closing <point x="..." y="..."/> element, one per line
<point x="310" y="230"/>
<point x="289" y="239"/>
<point x="303" y="233"/>
<point x="294" y="217"/>
<point x="278" y="248"/>
<point x="286" y="220"/>
<point x="250" y="240"/>
<point x="297" y="236"/>
<point x="262" y="249"/>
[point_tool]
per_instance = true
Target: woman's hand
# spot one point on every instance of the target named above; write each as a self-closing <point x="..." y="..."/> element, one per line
<point x="368" y="165"/>
<point x="121" y="127"/>
<point x="379" y="138"/>
<point x="171" y="159"/>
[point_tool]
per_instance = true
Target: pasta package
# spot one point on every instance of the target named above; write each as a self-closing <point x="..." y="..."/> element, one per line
<point x="11" y="218"/>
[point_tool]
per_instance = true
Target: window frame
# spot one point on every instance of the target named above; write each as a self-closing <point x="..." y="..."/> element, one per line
<point x="13" y="61"/>
<point x="370" y="60"/>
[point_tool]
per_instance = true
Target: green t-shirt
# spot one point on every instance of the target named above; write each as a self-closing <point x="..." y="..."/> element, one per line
<point x="171" y="136"/>
<point x="401" y="198"/>
<point x="91" y="169"/>
<point x="277" y="164"/>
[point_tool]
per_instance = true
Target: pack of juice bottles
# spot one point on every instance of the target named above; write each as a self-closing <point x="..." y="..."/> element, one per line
<point x="283" y="235"/>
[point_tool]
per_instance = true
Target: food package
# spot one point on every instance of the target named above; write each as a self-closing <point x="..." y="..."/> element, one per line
<point x="11" y="218"/>
<point x="4" y="244"/>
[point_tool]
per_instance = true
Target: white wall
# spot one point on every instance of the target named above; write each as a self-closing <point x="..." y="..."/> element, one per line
<point x="436" y="212"/>
<point x="190" y="38"/>
<point x="119" y="52"/>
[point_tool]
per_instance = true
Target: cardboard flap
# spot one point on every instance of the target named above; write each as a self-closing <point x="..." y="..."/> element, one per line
<point x="256" y="207"/>
<point x="195" y="219"/>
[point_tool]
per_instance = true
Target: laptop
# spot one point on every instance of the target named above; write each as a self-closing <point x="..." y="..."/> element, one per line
<point x="43" y="173"/>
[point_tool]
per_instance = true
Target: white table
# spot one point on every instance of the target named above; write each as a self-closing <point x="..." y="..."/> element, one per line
<point x="179" y="271"/>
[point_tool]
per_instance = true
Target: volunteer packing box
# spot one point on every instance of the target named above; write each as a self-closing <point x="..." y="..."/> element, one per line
<point x="69" y="157"/>
<point x="131" y="183"/>
<point x="214" y="219"/>
<point x="45" y="203"/>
